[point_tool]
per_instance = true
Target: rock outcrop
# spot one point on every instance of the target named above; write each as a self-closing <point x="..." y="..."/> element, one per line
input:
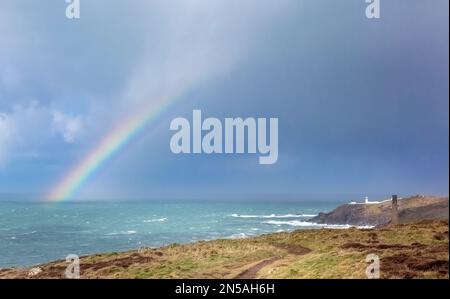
<point x="410" y="209"/>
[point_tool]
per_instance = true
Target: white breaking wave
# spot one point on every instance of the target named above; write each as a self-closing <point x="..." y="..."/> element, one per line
<point x="312" y="224"/>
<point x="238" y="236"/>
<point x="273" y="216"/>
<point x="128" y="232"/>
<point x="155" y="220"/>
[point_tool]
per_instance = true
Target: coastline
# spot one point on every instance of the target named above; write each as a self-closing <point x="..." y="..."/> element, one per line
<point x="413" y="250"/>
<point x="40" y="233"/>
<point x="312" y="226"/>
<point x="341" y="231"/>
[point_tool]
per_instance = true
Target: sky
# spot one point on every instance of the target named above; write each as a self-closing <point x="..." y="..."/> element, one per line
<point x="362" y="103"/>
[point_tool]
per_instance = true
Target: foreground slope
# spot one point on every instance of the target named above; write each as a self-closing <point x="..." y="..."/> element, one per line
<point x="414" y="250"/>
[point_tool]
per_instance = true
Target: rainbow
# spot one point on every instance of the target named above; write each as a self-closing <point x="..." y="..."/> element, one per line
<point x="107" y="148"/>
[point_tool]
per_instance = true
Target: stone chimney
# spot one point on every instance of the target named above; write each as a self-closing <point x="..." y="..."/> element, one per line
<point x="394" y="219"/>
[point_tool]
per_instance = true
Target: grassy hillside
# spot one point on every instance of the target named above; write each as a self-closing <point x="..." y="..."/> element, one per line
<point x="418" y="250"/>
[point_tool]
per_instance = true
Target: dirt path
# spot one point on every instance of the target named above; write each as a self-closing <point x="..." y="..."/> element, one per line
<point x="252" y="272"/>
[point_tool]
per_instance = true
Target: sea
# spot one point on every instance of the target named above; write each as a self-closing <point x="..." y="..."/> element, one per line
<point x="35" y="233"/>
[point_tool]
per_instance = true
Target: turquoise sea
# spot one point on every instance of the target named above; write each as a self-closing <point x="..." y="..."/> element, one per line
<point x="33" y="233"/>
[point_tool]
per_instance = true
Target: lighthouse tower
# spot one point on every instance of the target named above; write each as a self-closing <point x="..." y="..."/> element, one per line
<point x="366" y="200"/>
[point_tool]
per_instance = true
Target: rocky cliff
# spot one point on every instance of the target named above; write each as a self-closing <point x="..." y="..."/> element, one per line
<point x="410" y="209"/>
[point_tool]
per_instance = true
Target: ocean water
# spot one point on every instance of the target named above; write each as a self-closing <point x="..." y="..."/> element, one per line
<point x="33" y="233"/>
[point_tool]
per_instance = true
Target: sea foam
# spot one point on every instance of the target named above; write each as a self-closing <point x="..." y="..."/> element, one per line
<point x="155" y="220"/>
<point x="312" y="224"/>
<point x="274" y="216"/>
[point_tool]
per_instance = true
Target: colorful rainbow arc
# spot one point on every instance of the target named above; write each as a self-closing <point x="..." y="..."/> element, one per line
<point x="108" y="147"/>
